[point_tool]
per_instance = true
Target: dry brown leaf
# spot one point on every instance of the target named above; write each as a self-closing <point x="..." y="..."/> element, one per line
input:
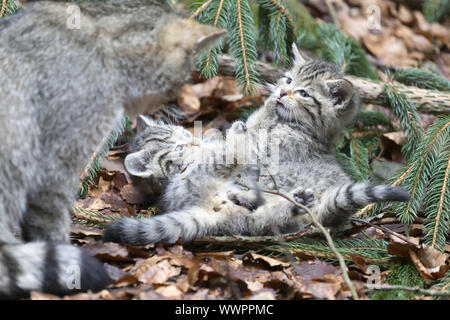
<point x="156" y="273"/>
<point x="315" y="269"/>
<point x="188" y="102"/>
<point x="401" y="248"/>
<point x="265" y="262"/>
<point x="134" y="195"/>
<point x="169" y="292"/>
<point x="430" y="262"/>
<point x="108" y="251"/>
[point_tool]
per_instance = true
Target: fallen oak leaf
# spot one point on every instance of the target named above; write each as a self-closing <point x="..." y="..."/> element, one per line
<point x="315" y="269"/>
<point x="156" y="272"/>
<point x="401" y="248"/>
<point x="430" y="262"/>
<point x="169" y="292"/>
<point x="108" y="251"/>
<point x="265" y="262"/>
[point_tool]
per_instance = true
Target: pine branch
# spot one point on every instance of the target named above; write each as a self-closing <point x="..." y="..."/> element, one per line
<point x="216" y="14"/>
<point x="7" y="7"/>
<point x="434" y="10"/>
<point x="200" y="9"/>
<point x="277" y="28"/>
<point x="422" y="79"/>
<point x="428" y="151"/>
<point x="437" y="200"/>
<point x="402" y="276"/>
<point x="435" y="293"/>
<point x="406" y="111"/>
<point x="427" y="101"/>
<point x="242" y="44"/>
<point x="3" y="9"/>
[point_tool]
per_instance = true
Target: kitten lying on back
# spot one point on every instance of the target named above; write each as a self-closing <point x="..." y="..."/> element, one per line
<point x="62" y="92"/>
<point x="307" y="110"/>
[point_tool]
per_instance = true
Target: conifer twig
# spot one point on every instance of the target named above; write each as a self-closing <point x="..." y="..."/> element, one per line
<point x="241" y="36"/>
<point x="427" y="292"/>
<point x="441" y="205"/>
<point x="395" y="234"/>
<point x="3" y="9"/>
<point x="200" y="9"/>
<point x="285" y="13"/>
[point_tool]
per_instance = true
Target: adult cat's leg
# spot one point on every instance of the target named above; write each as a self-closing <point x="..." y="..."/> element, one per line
<point x="47" y="217"/>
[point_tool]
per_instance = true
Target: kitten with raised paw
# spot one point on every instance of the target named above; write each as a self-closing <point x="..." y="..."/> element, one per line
<point x="306" y="111"/>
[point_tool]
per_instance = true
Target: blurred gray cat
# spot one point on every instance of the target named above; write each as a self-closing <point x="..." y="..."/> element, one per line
<point x="306" y="111"/>
<point x="62" y="91"/>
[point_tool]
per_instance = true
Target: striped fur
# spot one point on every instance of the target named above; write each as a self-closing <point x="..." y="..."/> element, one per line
<point x="45" y="266"/>
<point x="63" y="90"/>
<point x="307" y="109"/>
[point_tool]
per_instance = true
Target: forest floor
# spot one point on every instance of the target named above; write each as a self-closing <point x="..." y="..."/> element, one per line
<point x="272" y="267"/>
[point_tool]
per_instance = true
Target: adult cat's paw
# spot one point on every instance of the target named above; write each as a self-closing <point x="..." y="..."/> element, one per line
<point x="305" y="197"/>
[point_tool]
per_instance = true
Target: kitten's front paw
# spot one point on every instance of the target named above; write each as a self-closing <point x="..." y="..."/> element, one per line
<point x="305" y="197"/>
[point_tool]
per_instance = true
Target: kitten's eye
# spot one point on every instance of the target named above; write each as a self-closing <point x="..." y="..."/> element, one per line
<point x="303" y="93"/>
<point x="179" y="148"/>
<point x="288" y="80"/>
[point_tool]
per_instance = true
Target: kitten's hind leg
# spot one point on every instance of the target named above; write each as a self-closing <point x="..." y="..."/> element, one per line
<point x="47" y="217"/>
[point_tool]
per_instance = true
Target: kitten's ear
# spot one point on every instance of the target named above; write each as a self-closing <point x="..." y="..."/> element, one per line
<point x="208" y="37"/>
<point x="143" y="122"/>
<point x="341" y="91"/>
<point x="299" y="57"/>
<point x="136" y="164"/>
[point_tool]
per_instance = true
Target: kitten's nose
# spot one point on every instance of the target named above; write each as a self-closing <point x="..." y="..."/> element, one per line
<point x="282" y="93"/>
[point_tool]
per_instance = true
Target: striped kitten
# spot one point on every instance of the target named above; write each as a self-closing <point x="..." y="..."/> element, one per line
<point x="307" y="109"/>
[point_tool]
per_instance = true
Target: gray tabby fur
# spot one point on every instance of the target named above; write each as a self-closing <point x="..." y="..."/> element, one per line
<point x="307" y="109"/>
<point x="62" y="91"/>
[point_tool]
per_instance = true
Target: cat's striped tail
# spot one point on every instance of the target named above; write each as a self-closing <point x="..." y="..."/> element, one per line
<point x="188" y="224"/>
<point x="340" y="203"/>
<point x="58" y="269"/>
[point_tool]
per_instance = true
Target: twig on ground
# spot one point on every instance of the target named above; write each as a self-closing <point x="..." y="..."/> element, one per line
<point x="427" y="292"/>
<point x="395" y="234"/>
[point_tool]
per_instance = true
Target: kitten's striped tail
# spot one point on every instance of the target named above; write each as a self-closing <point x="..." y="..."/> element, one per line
<point x="188" y="224"/>
<point x="340" y="203"/>
<point x="59" y="269"/>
